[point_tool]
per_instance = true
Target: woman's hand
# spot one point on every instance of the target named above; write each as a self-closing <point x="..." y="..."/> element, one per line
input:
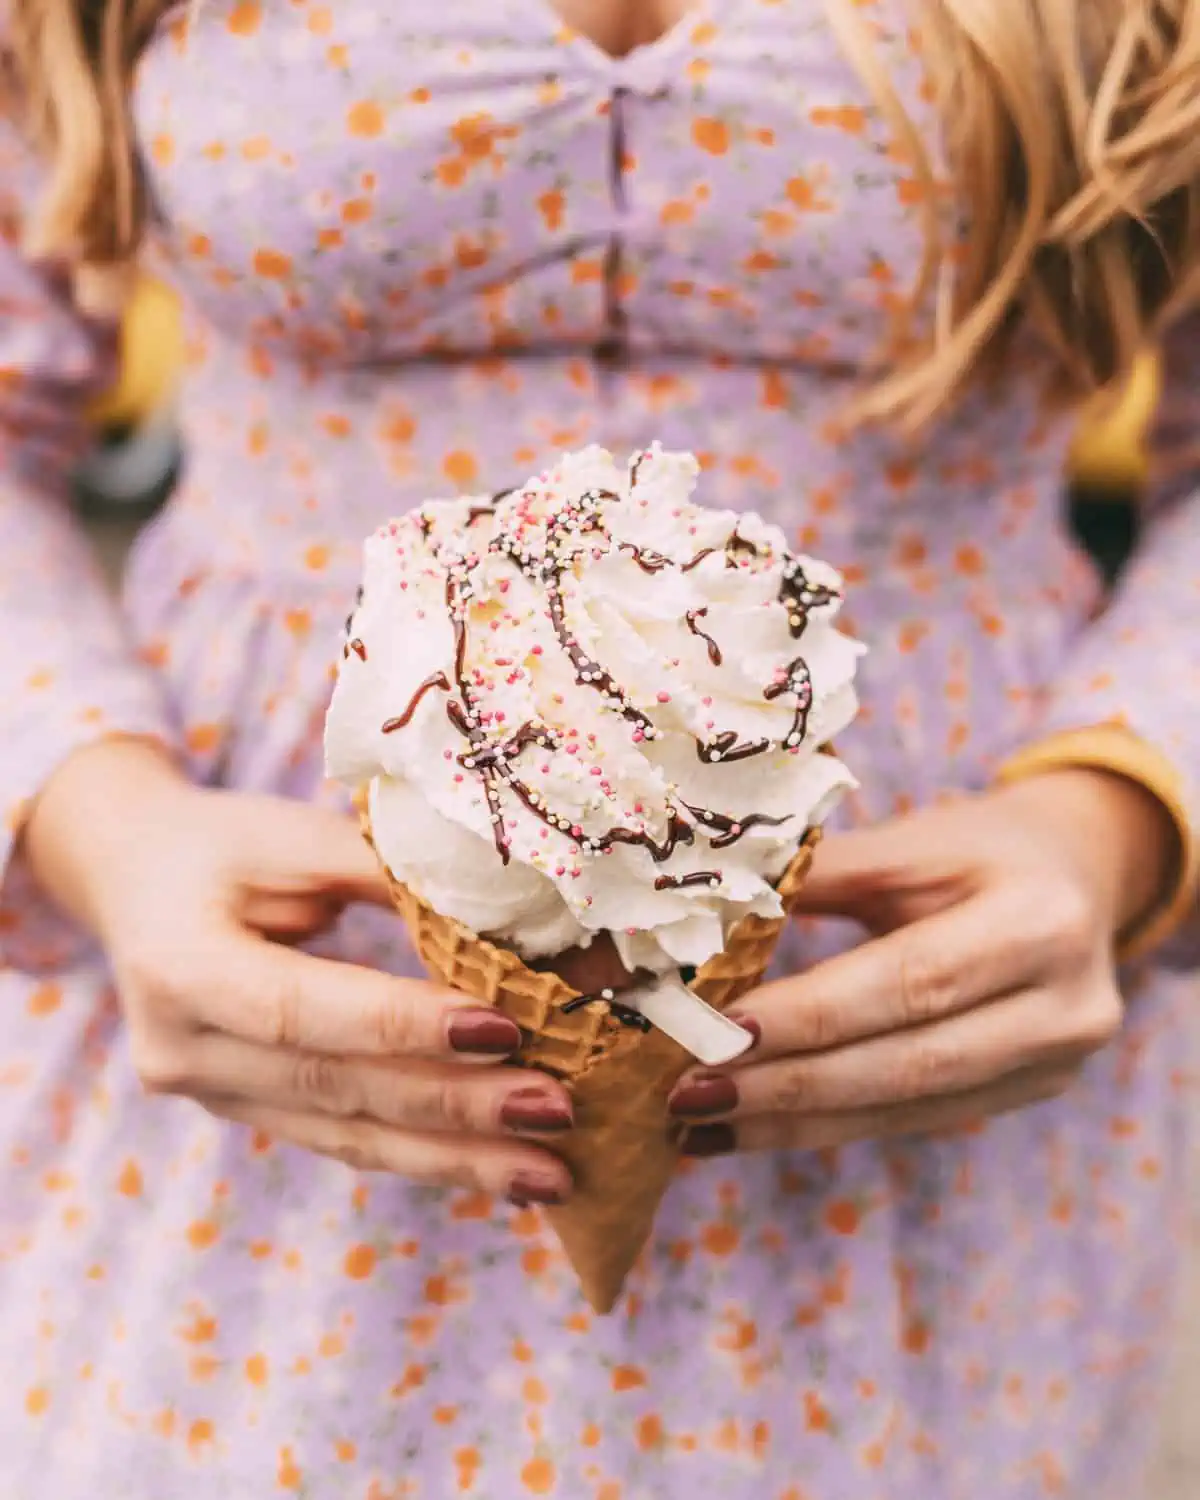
<point x="196" y="896"/>
<point x="989" y="980"/>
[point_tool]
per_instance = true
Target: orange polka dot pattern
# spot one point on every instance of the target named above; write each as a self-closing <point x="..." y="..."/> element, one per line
<point x="426" y="247"/>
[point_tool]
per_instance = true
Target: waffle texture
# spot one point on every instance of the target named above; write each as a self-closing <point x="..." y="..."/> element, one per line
<point x="624" y="1148"/>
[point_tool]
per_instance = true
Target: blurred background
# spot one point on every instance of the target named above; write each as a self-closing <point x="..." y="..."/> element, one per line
<point x="136" y="458"/>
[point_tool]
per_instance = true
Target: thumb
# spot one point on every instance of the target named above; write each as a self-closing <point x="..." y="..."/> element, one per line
<point x="324" y="849"/>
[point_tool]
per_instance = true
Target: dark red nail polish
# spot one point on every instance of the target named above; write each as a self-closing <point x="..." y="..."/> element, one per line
<point x="700" y="1097"/>
<point x="532" y="1187"/>
<point x="485" y="1032"/>
<point x="709" y="1140"/>
<point x="533" y="1109"/>
<point x="748" y="1023"/>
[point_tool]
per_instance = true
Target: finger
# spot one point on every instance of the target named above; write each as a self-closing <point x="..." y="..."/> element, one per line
<point x="412" y="1095"/>
<point x="290" y="918"/>
<point x="852" y="870"/>
<point x="262" y="992"/>
<point x="516" y="1171"/>
<point x="957" y="1112"/>
<point x="1031" y="1028"/>
<point x="924" y="972"/>
<point x="306" y="842"/>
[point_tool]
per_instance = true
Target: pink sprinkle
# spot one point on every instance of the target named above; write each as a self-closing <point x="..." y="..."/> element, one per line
<point x="544" y="833"/>
<point x="447" y="754"/>
<point x="576" y="831"/>
<point x="459" y="776"/>
<point x="637" y="806"/>
<point x="596" y="771"/>
<point x="560" y="869"/>
<point x="572" y="749"/>
<point x="535" y="651"/>
<point x="545" y="770"/>
<point x="707" y="702"/>
<point x="499" y="716"/>
<point x="638" y="736"/>
<point x="631" y="932"/>
<point x="665" y="697"/>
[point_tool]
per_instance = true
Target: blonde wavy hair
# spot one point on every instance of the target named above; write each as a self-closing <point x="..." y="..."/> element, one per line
<point x="1070" y="129"/>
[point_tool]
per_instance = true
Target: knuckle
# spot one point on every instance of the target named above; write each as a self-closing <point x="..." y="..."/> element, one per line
<point x="456" y="1173"/>
<point x="160" y="1065"/>
<point x="326" y="1082"/>
<point x="933" y="1069"/>
<point x="927" y="989"/>
<point x="284" y="1016"/>
<point x="393" y="1026"/>
<point x="455" y="1107"/>
<point x="1099" y="1020"/>
<point x="354" y="1150"/>
<point x="1062" y="918"/>
<point x="154" y="981"/>
<point x="820" y="1024"/>
<point x="789" y="1091"/>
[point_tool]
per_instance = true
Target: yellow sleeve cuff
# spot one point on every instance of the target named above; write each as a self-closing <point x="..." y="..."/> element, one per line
<point x="1109" y="747"/>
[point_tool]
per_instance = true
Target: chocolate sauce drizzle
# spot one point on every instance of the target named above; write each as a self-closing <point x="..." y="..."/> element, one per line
<point x="575" y="530"/>
<point x="646" y="558"/>
<point x="714" y="651"/>
<point x="726" y="747"/>
<point x="799" y="682"/>
<point x="627" y="1015"/>
<point x="582" y="519"/>
<point x="799" y="596"/>
<point x="728" y="829"/>
<point x="403" y="720"/>
<point x="681" y="882"/>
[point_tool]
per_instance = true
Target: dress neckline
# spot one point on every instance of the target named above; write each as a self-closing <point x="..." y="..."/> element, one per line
<point x="646" y="56"/>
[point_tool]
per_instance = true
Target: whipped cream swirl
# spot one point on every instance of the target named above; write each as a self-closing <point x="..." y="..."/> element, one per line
<point x="589" y="705"/>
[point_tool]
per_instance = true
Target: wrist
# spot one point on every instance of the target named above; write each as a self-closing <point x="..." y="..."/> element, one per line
<point x="1121" y="837"/>
<point x="84" y="825"/>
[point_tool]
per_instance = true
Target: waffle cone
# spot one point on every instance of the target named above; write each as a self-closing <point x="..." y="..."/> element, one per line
<point x="624" y="1148"/>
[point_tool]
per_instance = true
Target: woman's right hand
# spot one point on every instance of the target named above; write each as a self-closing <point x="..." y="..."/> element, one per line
<point x="196" y="896"/>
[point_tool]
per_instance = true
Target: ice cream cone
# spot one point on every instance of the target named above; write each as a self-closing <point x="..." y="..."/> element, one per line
<point x="624" y="1148"/>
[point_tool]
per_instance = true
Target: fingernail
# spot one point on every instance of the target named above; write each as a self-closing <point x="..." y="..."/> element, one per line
<point x="748" y="1023"/>
<point x="709" y="1140"/>
<point x="533" y="1187"/>
<point x="534" y="1109"/>
<point x="483" y="1031"/>
<point x="699" y="1097"/>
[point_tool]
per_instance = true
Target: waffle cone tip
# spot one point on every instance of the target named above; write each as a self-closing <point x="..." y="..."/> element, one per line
<point x="624" y="1148"/>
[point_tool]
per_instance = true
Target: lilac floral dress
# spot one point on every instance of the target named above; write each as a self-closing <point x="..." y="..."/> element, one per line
<point x="425" y="248"/>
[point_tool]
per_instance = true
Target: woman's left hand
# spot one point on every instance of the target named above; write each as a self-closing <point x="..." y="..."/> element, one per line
<point x="988" y="981"/>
